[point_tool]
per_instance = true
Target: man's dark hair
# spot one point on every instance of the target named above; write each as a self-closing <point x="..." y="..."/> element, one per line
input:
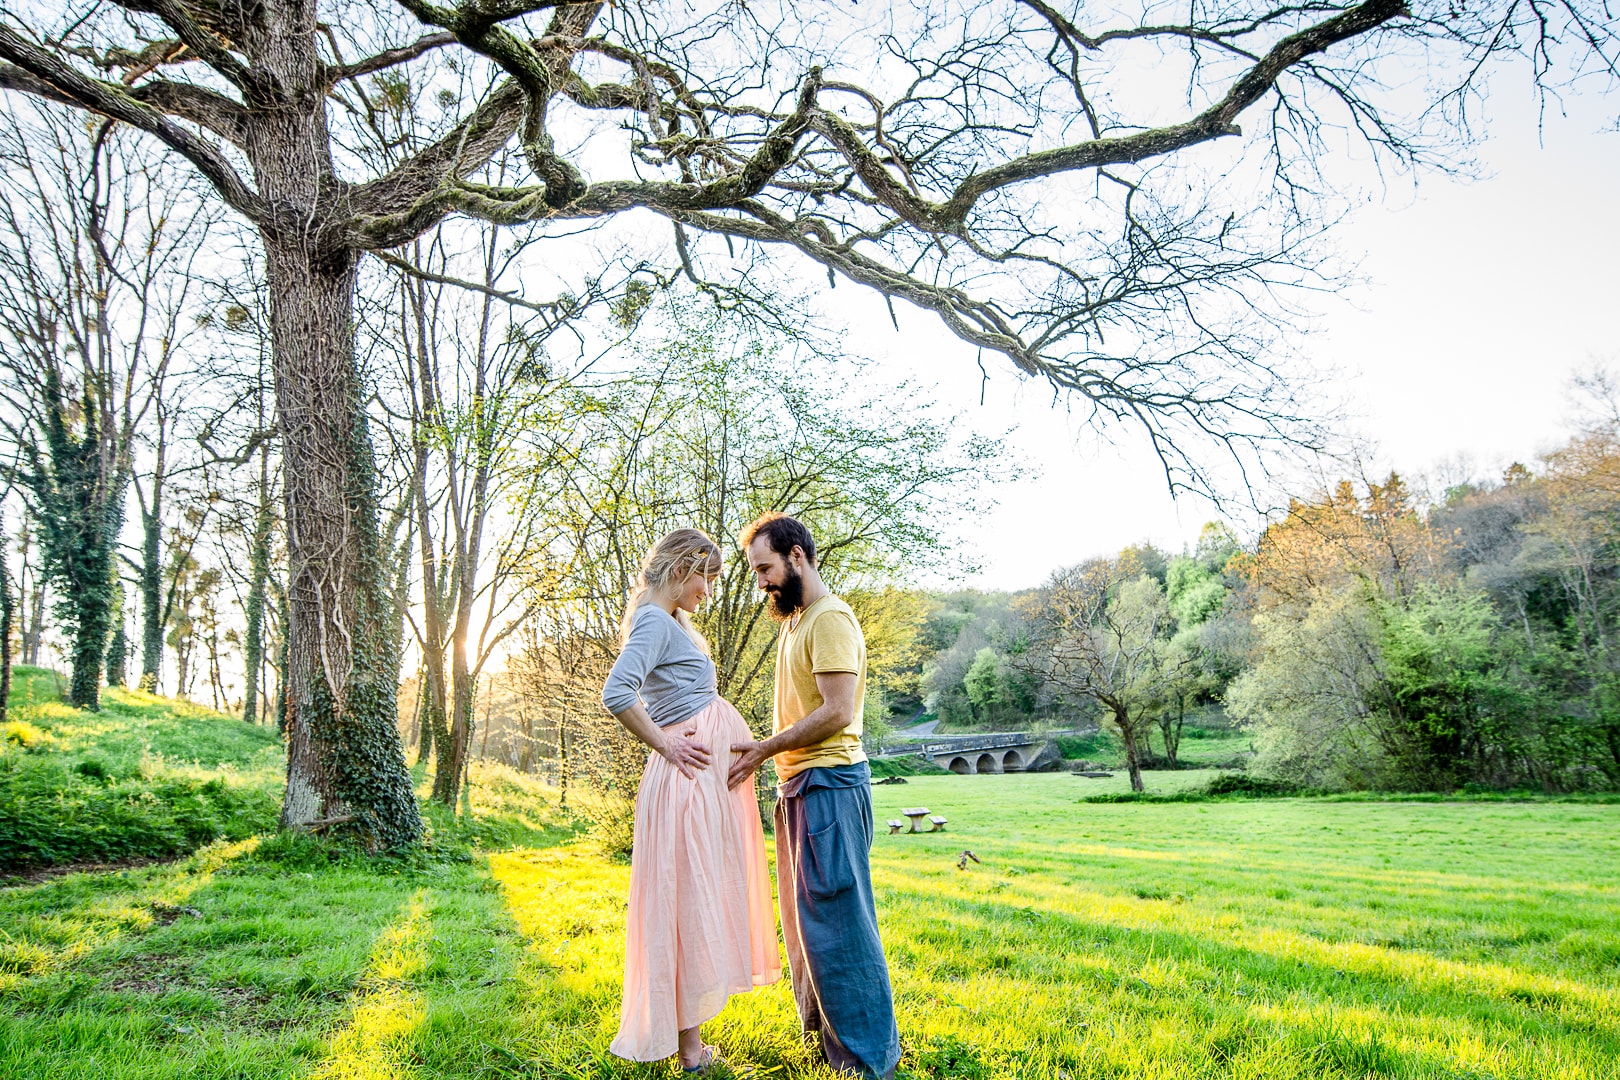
<point x="781" y="533"/>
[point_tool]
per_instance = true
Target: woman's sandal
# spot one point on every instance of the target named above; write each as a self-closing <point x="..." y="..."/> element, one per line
<point x="706" y="1063"/>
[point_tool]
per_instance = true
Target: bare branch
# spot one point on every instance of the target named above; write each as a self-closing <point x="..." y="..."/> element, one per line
<point x="390" y="58"/>
<point x="119" y="103"/>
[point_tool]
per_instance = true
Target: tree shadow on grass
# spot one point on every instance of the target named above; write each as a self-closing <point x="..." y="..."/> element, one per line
<point x="292" y="961"/>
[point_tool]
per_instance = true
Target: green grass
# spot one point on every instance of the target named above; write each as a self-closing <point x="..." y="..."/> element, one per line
<point x="146" y="777"/>
<point x="910" y="765"/>
<point x="1200" y="747"/>
<point x="1212" y="746"/>
<point x="1262" y="939"/>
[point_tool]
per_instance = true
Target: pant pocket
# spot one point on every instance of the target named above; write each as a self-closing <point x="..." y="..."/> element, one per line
<point x="827" y="871"/>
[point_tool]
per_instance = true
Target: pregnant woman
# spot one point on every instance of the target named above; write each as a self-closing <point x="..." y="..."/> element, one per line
<point x="700" y="922"/>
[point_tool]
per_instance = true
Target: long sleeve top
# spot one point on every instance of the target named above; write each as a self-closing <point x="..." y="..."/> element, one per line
<point x="661" y="666"/>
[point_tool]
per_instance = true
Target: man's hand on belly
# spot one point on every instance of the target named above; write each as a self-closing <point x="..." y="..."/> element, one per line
<point x="837" y="710"/>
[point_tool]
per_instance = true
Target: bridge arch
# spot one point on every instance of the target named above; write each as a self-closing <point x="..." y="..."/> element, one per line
<point x="961" y="766"/>
<point x="988" y="763"/>
<point x="1012" y="760"/>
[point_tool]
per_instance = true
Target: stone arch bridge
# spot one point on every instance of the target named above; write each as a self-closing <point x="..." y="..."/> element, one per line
<point x="970" y="754"/>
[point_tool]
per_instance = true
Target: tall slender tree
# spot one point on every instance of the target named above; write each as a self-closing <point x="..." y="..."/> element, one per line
<point x="93" y="286"/>
<point x="8" y="611"/>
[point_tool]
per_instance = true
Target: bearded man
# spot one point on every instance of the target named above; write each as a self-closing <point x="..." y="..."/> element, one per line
<point x="824" y="805"/>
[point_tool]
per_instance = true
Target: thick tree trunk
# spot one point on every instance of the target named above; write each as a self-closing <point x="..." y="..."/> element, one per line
<point x="344" y="759"/>
<point x="86" y="567"/>
<point x="258" y="585"/>
<point x="88" y="650"/>
<point x="345" y="765"/>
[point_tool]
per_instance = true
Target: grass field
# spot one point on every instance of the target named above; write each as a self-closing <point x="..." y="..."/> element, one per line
<point x="1258" y="939"/>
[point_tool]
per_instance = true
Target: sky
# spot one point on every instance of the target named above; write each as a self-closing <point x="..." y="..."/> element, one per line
<point x="1475" y="303"/>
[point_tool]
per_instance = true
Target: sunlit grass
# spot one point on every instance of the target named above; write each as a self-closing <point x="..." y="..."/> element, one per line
<point x="1263" y="939"/>
<point x="377" y="1042"/>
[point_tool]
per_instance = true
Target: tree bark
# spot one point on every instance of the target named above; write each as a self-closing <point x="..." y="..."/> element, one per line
<point x="342" y="675"/>
<point x="464" y="686"/>
<point x="279" y="665"/>
<point x="150" y="578"/>
<point x="33" y="600"/>
<point x="343" y="750"/>
<point x="8" y="610"/>
<point x="1133" y="753"/>
<point x="118" y="646"/>
<point x="435" y="690"/>
<point x="258" y="584"/>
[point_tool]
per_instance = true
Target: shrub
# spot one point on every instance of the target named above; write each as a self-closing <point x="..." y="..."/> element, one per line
<point x="613" y="822"/>
<point x="22" y="733"/>
<point x="1254" y="787"/>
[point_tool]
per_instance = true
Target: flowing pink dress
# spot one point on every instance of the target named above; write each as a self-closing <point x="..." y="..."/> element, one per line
<point x="701" y="925"/>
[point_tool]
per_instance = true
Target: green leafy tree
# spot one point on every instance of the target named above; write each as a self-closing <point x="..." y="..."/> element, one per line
<point x="1100" y="632"/>
<point x="1195" y="593"/>
<point x="1449" y="699"/>
<point x="983" y="682"/>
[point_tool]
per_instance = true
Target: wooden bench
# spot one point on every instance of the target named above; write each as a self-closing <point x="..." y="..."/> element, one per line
<point x="895" y="825"/>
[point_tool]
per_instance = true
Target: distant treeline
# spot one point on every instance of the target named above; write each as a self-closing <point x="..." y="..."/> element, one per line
<point x="1370" y="638"/>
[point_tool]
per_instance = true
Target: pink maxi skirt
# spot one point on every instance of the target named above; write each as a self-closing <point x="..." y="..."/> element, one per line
<point x="701" y="925"/>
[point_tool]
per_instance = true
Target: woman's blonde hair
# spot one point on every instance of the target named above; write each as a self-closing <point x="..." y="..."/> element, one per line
<point x="672" y="561"/>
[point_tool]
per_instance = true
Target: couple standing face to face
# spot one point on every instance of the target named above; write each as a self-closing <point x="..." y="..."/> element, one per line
<point x="698" y="923"/>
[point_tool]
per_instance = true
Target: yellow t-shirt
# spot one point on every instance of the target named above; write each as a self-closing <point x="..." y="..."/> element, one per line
<point x="826" y="638"/>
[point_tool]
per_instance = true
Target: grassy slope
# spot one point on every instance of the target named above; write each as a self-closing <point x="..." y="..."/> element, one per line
<point x="1272" y="939"/>
<point x="145" y="776"/>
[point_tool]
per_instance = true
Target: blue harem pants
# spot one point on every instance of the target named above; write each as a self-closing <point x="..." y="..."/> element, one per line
<point x="829" y="920"/>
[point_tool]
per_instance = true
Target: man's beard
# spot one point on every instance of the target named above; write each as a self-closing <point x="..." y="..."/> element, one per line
<point x="786" y="598"/>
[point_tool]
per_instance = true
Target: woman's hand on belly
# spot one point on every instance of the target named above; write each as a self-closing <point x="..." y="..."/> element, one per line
<point x="681" y="750"/>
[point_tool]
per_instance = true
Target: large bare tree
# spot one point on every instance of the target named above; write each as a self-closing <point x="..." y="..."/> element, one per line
<point x="1011" y="167"/>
